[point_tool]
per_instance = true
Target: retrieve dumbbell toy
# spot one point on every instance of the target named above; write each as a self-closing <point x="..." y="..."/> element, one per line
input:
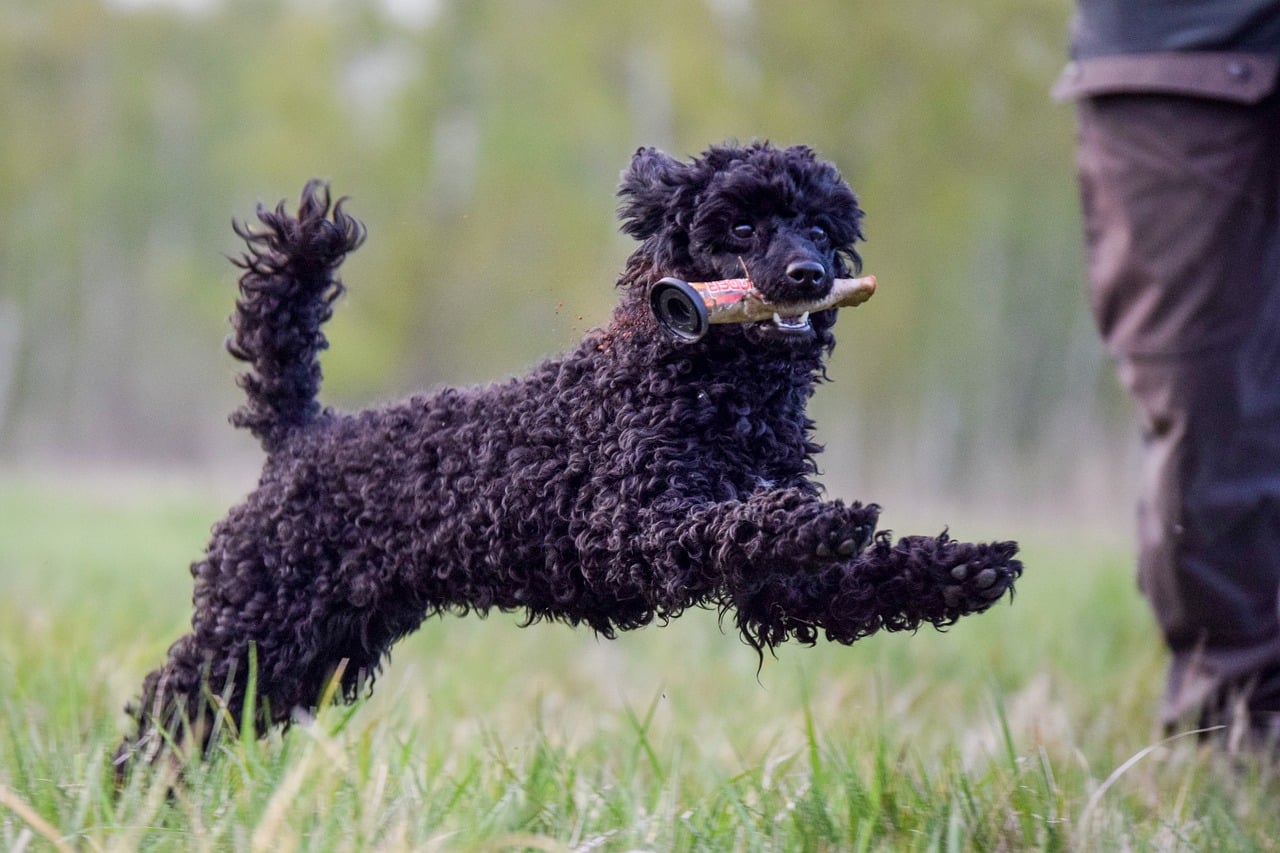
<point x="686" y="309"/>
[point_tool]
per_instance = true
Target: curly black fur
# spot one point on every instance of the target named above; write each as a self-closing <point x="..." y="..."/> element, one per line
<point x="623" y="482"/>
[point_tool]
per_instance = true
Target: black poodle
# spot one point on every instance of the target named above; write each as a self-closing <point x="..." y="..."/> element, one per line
<point x="635" y="477"/>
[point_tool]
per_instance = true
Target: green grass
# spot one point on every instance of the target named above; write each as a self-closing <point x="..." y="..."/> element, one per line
<point x="1028" y="727"/>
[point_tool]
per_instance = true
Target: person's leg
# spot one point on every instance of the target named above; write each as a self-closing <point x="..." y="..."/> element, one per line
<point x="1209" y="529"/>
<point x="1180" y="204"/>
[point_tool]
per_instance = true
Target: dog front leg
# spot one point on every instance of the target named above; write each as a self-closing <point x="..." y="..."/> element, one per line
<point x="792" y="566"/>
<point x="736" y="553"/>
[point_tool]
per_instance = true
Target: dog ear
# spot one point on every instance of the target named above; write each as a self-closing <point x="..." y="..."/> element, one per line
<point x="647" y="190"/>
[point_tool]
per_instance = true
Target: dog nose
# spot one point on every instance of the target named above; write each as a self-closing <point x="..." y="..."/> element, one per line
<point x="807" y="274"/>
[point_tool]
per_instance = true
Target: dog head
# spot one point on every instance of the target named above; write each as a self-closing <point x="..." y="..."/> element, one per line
<point x="779" y="216"/>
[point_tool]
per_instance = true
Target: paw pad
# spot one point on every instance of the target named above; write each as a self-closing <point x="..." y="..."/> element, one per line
<point x="843" y="541"/>
<point x="970" y="587"/>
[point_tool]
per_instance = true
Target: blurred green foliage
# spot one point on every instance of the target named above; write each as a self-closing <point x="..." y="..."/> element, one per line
<point x="481" y="143"/>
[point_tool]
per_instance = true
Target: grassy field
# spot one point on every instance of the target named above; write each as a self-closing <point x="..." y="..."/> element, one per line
<point x="1027" y="728"/>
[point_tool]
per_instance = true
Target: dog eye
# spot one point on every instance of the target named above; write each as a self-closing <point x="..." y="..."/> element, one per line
<point x="743" y="231"/>
<point x="818" y="234"/>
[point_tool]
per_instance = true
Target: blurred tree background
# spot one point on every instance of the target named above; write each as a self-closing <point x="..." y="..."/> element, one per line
<point x="481" y="143"/>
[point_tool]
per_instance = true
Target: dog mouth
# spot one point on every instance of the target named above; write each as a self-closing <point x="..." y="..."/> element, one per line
<point x="791" y="324"/>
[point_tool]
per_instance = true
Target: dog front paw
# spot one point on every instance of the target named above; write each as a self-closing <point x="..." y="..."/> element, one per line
<point x="844" y="531"/>
<point x="977" y="576"/>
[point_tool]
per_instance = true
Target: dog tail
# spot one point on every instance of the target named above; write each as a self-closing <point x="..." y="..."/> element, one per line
<point x="287" y="292"/>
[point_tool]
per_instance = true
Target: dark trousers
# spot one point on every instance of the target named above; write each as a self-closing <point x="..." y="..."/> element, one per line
<point x="1181" y="200"/>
